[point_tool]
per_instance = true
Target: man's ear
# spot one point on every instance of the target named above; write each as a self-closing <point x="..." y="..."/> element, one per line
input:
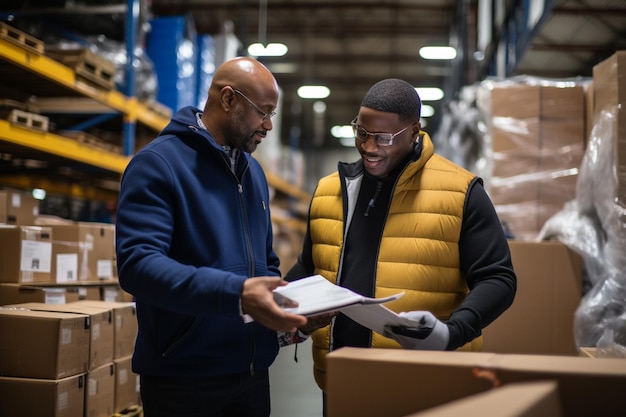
<point x="227" y="95"/>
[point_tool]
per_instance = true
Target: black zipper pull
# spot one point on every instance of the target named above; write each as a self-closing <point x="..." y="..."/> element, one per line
<point x="379" y="186"/>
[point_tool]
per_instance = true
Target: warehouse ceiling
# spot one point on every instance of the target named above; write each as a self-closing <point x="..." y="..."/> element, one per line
<point x="348" y="45"/>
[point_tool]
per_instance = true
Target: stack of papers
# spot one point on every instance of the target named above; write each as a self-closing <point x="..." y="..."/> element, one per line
<point x="316" y="295"/>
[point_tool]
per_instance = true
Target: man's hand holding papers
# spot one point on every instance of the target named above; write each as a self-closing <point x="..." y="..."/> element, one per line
<point x="317" y="296"/>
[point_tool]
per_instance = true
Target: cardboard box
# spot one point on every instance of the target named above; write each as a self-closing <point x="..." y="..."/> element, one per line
<point x="529" y="399"/>
<point x="100" y="392"/>
<point x="115" y="294"/>
<point x="82" y="251"/>
<point x="515" y="136"/>
<point x="515" y="100"/>
<point x="102" y="327"/>
<point x="26" y="254"/>
<point x="29" y="397"/>
<point x="400" y="382"/>
<point x="126" y="384"/>
<point x="609" y="81"/>
<point x="43" y="344"/>
<point x="21" y="293"/>
<point x="18" y="207"/>
<point x="567" y="101"/>
<point x="125" y="325"/>
<point x="549" y="290"/>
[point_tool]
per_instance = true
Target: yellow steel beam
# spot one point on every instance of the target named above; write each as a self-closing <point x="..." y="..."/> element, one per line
<point x="63" y="147"/>
<point x="55" y="187"/>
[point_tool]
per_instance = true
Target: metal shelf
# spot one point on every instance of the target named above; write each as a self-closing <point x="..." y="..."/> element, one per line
<point x="66" y="148"/>
<point x="64" y="76"/>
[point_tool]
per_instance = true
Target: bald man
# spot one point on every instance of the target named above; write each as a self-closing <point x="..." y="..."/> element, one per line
<point x="194" y="248"/>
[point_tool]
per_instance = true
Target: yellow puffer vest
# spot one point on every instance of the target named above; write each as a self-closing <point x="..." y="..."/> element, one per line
<point x="419" y="251"/>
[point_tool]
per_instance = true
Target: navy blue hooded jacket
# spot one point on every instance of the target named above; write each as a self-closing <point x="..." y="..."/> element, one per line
<point x="189" y="232"/>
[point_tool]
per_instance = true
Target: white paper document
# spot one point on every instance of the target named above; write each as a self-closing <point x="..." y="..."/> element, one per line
<point x="316" y="295"/>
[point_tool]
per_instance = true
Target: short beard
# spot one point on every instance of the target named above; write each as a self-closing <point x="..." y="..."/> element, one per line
<point x="239" y="139"/>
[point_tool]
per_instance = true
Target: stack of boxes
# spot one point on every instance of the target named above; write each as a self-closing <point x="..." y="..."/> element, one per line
<point x="76" y="356"/>
<point x="538" y="139"/>
<point x="67" y="337"/>
<point x="54" y="261"/>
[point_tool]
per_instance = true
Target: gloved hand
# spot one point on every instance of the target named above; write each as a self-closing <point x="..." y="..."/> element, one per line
<point x="427" y="334"/>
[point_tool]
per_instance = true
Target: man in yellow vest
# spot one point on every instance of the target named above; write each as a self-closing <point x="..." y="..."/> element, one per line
<point x="403" y="218"/>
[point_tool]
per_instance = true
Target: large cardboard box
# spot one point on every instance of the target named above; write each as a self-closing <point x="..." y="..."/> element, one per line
<point x="400" y="382"/>
<point x="126" y="384"/>
<point x="26" y="254"/>
<point x="549" y="290"/>
<point x="100" y="393"/>
<point x="101" y="327"/>
<point x="43" y="344"/>
<point x="528" y="399"/>
<point x="18" y="207"/>
<point x="30" y="397"/>
<point x="125" y="320"/>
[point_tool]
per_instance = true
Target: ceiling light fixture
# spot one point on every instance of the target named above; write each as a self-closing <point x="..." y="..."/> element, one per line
<point x="313" y="91"/>
<point x="429" y="93"/>
<point x="344" y="133"/>
<point x="262" y="48"/>
<point x="272" y="49"/>
<point x="427" y="111"/>
<point x="438" y="52"/>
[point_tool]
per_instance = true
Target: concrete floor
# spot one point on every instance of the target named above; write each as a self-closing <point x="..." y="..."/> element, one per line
<point x="293" y="389"/>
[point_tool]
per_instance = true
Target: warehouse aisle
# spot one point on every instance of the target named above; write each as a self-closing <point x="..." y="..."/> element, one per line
<point x="293" y="389"/>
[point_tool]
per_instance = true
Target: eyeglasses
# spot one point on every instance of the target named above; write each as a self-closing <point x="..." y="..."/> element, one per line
<point x="381" y="139"/>
<point x="264" y="116"/>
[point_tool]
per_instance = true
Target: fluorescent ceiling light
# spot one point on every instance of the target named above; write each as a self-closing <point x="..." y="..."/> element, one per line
<point x="344" y="131"/>
<point x="347" y="142"/>
<point x="39" y="193"/>
<point x="429" y="93"/>
<point x="282" y="67"/>
<point x="345" y="134"/>
<point x="319" y="107"/>
<point x="427" y="111"/>
<point x="272" y="49"/>
<point x="437" y="52"/>
<point x="313" y="91"/>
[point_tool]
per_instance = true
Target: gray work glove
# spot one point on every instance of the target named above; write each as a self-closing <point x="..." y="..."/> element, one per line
<point x="428" y="333"/>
